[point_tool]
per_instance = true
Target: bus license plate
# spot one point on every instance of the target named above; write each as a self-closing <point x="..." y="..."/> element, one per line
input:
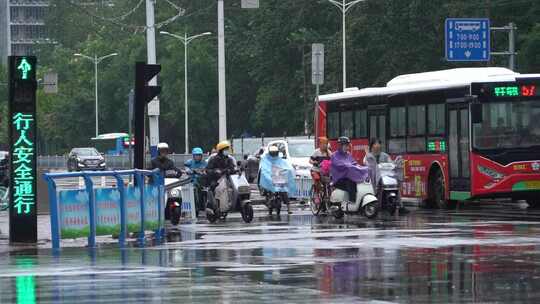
<point x="532" y="185"/>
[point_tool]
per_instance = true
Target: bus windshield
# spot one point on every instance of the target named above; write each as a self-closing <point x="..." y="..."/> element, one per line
<point x="509" y="124"/>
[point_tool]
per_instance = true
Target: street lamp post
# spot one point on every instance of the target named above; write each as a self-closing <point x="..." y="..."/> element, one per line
<point x="96" y="60"/>
<point x="344" y="7"/>
<point x="186" y="40"/>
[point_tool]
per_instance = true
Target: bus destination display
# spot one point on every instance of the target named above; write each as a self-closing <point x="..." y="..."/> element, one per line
<point x="515" y="91"/>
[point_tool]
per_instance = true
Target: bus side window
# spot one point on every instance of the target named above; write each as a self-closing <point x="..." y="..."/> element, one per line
<point x="360" y="126"/>
<point x="436" y="119"/>
<point x="347" y="125"/>
<point x="396" y="144"/>
<point x="333" y="125"/>
<point x="416" y="142"/>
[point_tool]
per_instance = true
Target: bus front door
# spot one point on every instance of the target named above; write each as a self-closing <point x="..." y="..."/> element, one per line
<point x="458" y="151"/>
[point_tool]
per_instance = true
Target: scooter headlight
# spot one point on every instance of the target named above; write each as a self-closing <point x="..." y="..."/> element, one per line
<point x="175" y="193"/>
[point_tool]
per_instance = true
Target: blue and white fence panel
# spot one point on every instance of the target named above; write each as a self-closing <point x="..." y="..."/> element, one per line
<point x="188" y="201"/>
<point x="303" y="188"/>
<point x="93" y="211"/>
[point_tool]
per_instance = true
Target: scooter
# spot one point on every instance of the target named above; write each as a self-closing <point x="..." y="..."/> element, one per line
<point x="387" y="178"/>
<point x="173" y="206"/>
<point x="274" y="200"/>
<point x="232" y="193"/>
<point x="366" y="202"/>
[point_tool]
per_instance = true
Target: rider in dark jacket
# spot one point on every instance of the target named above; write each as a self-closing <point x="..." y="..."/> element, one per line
<point x="162" y="161"/>
<point x="221" y="163"/>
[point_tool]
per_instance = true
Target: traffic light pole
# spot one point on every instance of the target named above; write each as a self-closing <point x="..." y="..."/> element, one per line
<point x="144" y="94"/>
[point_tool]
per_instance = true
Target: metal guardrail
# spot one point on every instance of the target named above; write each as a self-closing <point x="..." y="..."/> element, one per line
<point x="114" y="162"/>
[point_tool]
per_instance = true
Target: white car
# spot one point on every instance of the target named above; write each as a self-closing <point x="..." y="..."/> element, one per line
<point x="297" y="152"/>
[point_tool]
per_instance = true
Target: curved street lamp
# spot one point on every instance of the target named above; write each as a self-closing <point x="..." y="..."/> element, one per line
<point x="185" y="40"/>
<point x="96" y="60"/>
<point x="344" y="7"/>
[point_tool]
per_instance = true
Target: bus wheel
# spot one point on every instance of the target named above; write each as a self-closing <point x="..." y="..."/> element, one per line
<point x="437" y="191"/>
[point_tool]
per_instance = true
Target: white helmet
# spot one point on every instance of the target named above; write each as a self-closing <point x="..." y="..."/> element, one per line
<point x="273" y="151"/>
<point x="162" y="146"/>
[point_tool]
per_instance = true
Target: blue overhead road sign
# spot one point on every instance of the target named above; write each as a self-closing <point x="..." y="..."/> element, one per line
<point x="467" y="39"/>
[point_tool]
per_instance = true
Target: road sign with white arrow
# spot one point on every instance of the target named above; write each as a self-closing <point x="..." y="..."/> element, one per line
<point x="467" y="39"/>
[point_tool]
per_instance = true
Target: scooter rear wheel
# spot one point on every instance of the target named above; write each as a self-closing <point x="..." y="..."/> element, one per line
<point x="315" y="196"/>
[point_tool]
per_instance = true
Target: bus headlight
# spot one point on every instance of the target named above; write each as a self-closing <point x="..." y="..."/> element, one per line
<point x="490" y="173"/>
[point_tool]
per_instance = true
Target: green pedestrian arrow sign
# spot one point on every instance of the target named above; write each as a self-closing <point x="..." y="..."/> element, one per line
<point x="24" y="67"/>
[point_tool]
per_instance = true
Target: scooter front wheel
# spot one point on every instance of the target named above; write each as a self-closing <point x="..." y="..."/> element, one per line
<point x="277" y="206"/>
<point x="247" y="213"/>
<point x="371" y="210"/>
<point x="211" y="216"/>
<point x="176" y="213"/>
<point x="338" y="214"/>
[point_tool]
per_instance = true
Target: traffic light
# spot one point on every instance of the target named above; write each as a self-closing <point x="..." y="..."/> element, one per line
<point x="143" y="95"/>
<point x="22" y="154"/>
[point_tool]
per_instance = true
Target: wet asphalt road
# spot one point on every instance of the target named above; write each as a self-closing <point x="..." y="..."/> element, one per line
<point x="482" y="254"/>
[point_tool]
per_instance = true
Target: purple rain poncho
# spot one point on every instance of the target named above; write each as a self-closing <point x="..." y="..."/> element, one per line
<point x="344" y="166"/>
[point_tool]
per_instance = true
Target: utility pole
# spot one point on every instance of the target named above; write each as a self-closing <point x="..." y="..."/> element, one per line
<point x="153" y="106"/>
<point x="221" y="73"/>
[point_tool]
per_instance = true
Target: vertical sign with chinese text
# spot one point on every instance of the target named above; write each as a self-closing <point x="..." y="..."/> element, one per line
<point x="22" y="137"/>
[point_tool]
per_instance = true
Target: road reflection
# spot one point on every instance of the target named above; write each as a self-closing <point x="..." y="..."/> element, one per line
<point x="435" y="257"/>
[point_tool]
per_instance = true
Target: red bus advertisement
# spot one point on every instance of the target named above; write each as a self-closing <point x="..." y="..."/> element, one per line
<point x="465" y="134"/>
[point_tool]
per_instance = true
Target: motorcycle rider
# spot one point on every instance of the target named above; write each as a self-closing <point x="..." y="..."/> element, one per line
<point x="374" y="151"/>
<point x="322" y="153"/>
<point x="163" y="162"/>
<point x="4" y="171"/>
<point x="269" y="162"/>
<point x="195" y="164"/>
<point x="220" y="163"/>
<point x="345" y="171"/>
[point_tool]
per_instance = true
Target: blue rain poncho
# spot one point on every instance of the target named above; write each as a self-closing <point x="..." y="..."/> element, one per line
<point x="277" y="175"/>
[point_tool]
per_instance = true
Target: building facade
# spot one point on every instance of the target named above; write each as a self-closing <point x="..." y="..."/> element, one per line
<point x="22" y="26"/>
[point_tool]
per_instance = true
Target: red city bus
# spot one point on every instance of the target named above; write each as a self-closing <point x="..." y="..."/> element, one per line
<point x="465" y="134"/>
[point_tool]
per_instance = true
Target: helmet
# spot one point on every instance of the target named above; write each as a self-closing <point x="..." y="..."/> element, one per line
<point x="223" y="145"/>
<point x="273" y="151"/>
<point x="197" y="151"/>
<point x="162" y="146"/>
<point x="343" y="140"/>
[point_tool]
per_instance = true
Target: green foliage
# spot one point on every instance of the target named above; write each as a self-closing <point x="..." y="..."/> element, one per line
<point x="268" y="60"/>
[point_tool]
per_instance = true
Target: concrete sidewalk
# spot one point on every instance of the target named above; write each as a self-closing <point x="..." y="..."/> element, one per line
<point x="44" y="233"/>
